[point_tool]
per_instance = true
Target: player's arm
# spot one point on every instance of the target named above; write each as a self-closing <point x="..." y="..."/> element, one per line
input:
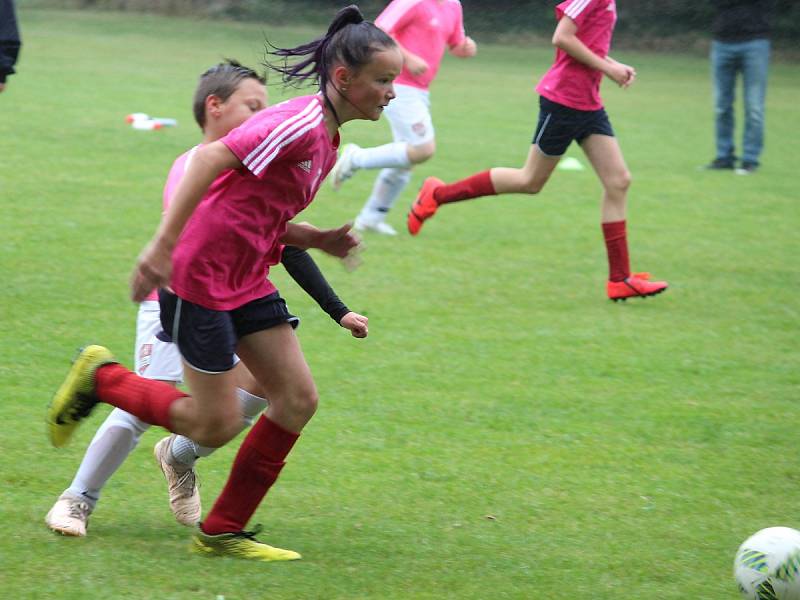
<point x="154" y="266"/>
<point x="465" y="49"/>
<point x="336" y="242"/>
<point x="565" y="38"/>
<point x="301" y="266"/>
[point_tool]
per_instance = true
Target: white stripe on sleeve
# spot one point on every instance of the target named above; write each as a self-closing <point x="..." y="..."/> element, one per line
<point x="277" y="131"/>
<point x="286" y="136"/>
<point x="286" y="142"/>
<point x="576" y="8"/>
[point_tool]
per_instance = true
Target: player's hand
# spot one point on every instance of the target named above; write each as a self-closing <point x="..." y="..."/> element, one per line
<point x="337" y="242"/>
<point x="466" y="49"/>
<point x="416" y="65"/>
<point x="153" y="270"/>
<point x="623" y="75"/>
<point x="356" y="323"/>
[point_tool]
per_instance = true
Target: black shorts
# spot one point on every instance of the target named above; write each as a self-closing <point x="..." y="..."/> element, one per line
<point x="559" y="125"/>
<point x="207" y="338"/>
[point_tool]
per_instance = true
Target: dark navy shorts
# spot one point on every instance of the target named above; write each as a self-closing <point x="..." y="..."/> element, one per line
<point x="207" y="338"/>
<point x="559" y="125"/>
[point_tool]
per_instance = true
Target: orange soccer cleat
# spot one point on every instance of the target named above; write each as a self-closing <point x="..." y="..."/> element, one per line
<point x="638" y="285"/>
<point x="424" y="206"/>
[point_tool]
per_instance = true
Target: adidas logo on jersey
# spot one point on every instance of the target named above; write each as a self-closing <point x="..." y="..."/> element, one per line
<point x="305" y="165"/>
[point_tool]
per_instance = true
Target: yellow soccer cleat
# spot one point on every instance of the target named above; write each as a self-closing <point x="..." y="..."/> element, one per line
<point x="239" y="545"/>
<point x="75" y="399"/>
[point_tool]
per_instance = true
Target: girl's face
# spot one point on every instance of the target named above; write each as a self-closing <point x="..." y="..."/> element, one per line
<point x="249" y="98"/>
<point x="370" y="88"/>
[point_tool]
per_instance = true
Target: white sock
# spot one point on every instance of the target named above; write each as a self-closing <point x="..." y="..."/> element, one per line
<point x="389" y="184"/>
<point x="114" y="441"/>
<point x="186" y="452"/>
<point x="388" y="155"/>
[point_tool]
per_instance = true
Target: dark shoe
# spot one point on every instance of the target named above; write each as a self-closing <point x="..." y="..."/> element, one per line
<point x="747" y="168"/>
<point x="720" y="163"/>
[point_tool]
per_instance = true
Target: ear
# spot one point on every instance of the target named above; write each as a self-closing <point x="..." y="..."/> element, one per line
<point x="342" y="77"/>
<point x="213" y="106"/>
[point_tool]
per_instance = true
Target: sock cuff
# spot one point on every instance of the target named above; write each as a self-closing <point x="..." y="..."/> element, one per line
<point x="614" y="229"/>
<point x="251" y="404"/>
<point x="271" y="440"/>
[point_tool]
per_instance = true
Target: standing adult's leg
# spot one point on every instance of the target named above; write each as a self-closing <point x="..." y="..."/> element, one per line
<point x="724" y="65"/>
<point x="755" y="68"/>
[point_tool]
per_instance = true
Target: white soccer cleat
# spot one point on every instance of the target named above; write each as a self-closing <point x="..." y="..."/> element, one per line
<point x="344" y="169"/>
<point x="69" y="515"/>
<point x="382" y="227"/>
<point x="184" y="497"/>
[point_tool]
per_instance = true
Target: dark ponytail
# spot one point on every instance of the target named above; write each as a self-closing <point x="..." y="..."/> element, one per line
<point x="350" y="40"/>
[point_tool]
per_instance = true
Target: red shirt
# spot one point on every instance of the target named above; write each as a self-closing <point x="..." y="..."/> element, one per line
<point x="568" y="81"/>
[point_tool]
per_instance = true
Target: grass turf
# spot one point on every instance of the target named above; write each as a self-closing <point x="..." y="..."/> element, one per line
<point x="505" y="431"/>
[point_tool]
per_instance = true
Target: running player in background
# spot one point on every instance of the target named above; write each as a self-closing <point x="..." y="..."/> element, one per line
<point x="422" y="29"/>
<point x="570" y="109"/>
<point x="226" y="96"/>
<point x="225" y="223"/>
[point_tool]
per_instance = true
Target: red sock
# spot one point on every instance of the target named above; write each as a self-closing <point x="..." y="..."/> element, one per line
<point x="255" y="468"/>
<point x="147" y="399"/>
<point x="619" y="267"/>
<point x="474" y="186"/>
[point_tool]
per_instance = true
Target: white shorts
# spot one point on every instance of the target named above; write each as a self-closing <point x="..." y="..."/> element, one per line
<point x="154" y="358"/>
<point x="409" y="115"/>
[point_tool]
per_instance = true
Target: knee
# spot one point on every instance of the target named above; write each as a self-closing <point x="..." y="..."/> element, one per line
<point x="420" y="154"/>
<point x="755" y="114"/>
<point x="620" y="182"/>
<point x="531" y="185"/>
<point x="305" y="402"/>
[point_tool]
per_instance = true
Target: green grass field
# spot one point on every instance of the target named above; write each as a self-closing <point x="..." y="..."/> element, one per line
<point x="505" y="431"/>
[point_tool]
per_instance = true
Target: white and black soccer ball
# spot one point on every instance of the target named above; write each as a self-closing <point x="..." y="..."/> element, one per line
<point x="767" y="565"/>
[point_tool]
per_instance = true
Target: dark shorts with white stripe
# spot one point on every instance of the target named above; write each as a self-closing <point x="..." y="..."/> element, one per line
<point x="559" y="125"/>
<point x="207" y="338"/>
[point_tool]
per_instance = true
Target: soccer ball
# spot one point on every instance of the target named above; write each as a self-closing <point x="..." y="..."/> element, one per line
<point x="767" y="565"/>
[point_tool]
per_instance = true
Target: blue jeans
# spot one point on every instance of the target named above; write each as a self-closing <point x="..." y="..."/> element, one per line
<point x="751" y="58"/>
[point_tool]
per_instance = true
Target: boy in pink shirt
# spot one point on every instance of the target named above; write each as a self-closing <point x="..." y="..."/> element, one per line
<point x="423" y="29"/>
<point x="570" y="109"/>
<point x="228" y="218"/>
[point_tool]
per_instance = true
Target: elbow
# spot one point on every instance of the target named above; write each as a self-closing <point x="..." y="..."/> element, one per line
<point x="557" y="40"/>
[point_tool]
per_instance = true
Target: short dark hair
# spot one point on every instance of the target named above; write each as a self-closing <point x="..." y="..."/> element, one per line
<point x="349" y="39"/>
<point x="221" y="80"/>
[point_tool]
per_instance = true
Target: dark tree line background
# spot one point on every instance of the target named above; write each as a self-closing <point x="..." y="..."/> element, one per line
<point x="668" y="24"/>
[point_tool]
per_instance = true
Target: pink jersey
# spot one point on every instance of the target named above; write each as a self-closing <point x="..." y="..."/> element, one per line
<point x="568" y="81"/>
<point x="425" y="28"/>
<point x="224" y="253"/>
